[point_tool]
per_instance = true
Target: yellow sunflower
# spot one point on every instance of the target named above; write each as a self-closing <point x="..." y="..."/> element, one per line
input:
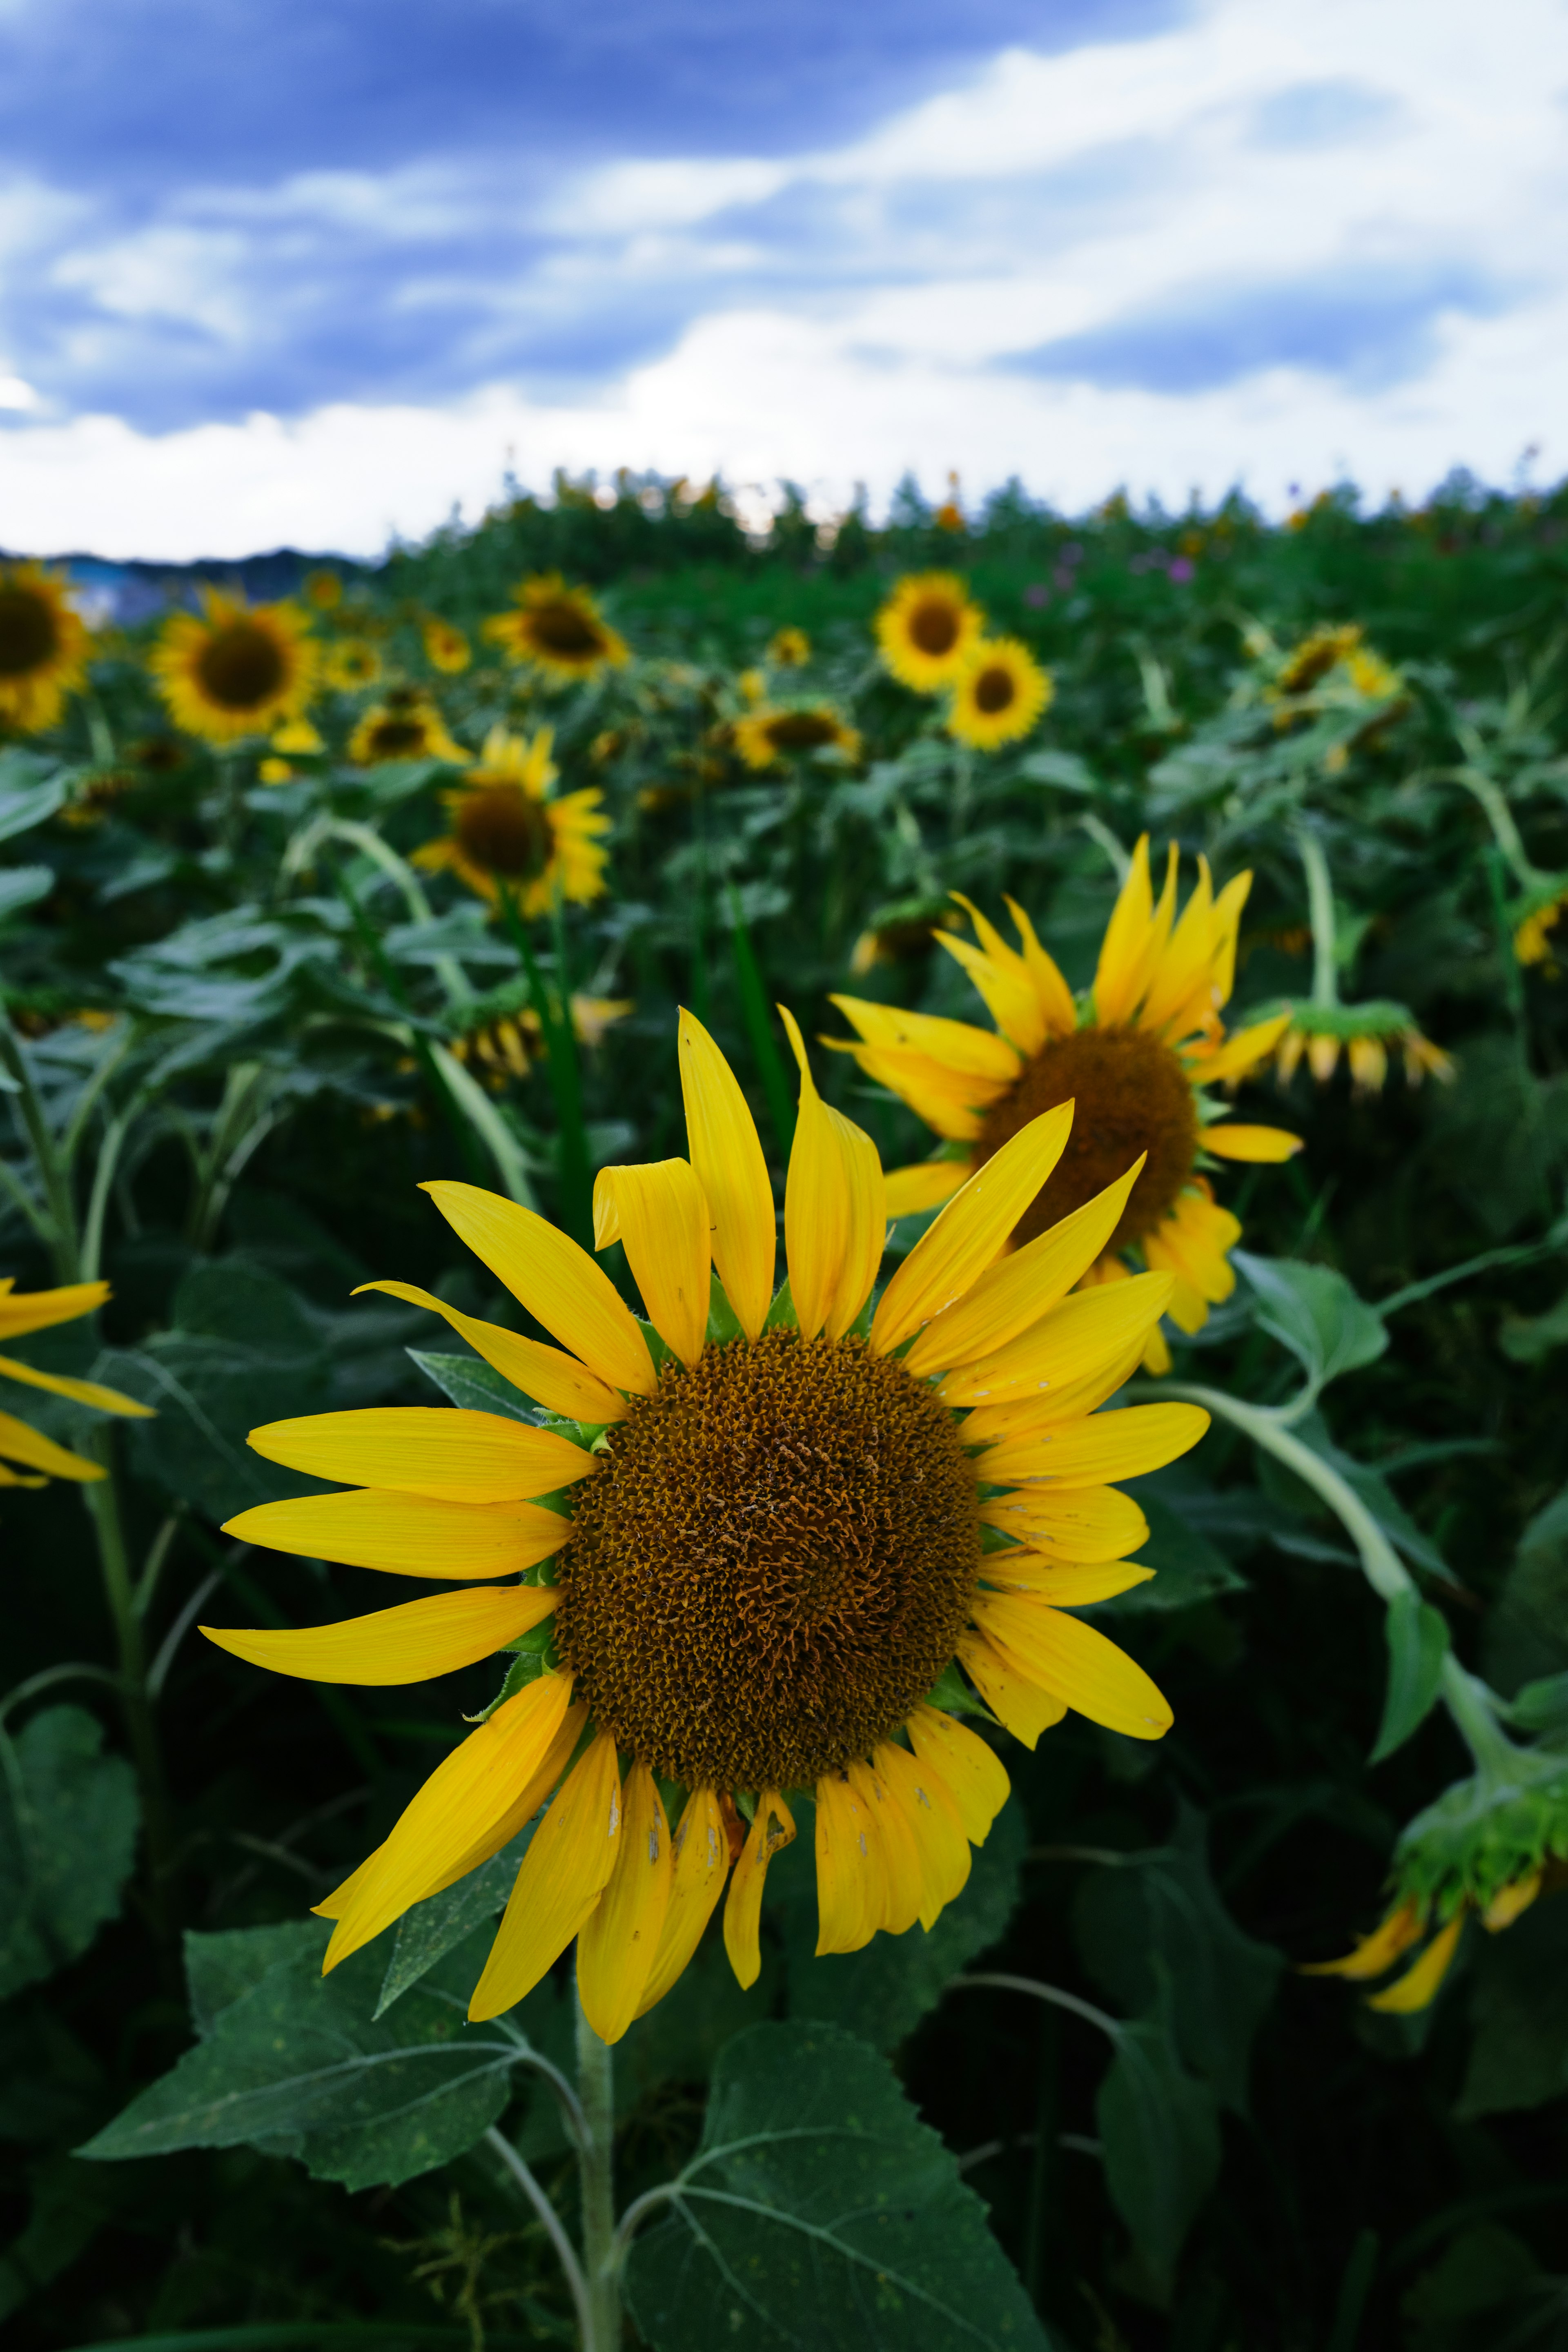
<point x="507" y="1045"/>
<point x="774" y="1524"/>
<point x="927" y="629"/>
<point x="1366" y="1035"/>
<point x="352" y="665"/>
<point x="998" y="695"/>
<point x="323" y="589"/>
<point x="43" y="646"/>
<point x="1533" y="940"/>
<point x="22" y="1312"/>
<point x="771" y="733"/>
<point x="789" y="648"/>
<point x="446" y="647"/>
<point x="235" y="670"/>
<point x="507" y="832"/>
<point x="406" y="726"/>
<point x="1403" y="1928"/>
<point x="557" y="629"/>
<point x="1136" y="1056"/>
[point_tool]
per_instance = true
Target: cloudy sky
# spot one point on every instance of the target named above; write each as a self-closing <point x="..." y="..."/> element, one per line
<point x="314" y="271"/>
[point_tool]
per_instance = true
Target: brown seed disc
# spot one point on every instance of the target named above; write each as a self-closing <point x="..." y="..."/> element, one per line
<point x="1132" y="1095"/>
<point x="802" y="730"/>
<point x="506" y="831"/>
<point x="566" y="630"/>
<point x="774" y="1564"/>
<point x="242" y="667"/>
<point x="30" y="632"/>
<point x="933" y="626"/>
<point x="994" y="689"/>
<point x="398" y="739"/>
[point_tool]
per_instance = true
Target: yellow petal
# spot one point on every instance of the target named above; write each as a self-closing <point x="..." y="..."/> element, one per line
<point x="850" y="1881"/>
<point x="661" y="1217"/>
<point x="18" y="1442"/>
<point x="1063" y="1587"/>
<point x="835" y="1209"/>
<point x="1374" y="1954"/>
<point x="973" y="1774"/>
<point x="557" y="1282"/>
<point x="406" y="1535"/>
<point x="773" y="1826"/>
<point x="1015" y="1698"/>
<point x="1002" y="979"/>
<point x="558" y="1889"/>
<point x="1184" y="968"/>
<point x="338" y="1901"/>
<point x="1107" y="1445"/>
<point x="39" y="1310"/>
<point x="1126" y="940"/>
<point x="527" y="1796"/>
<point x="1026" y="1415"/>
<point x="700" y="1848"/>
<point x="924" y="1186"/>
<point x="415" y="1449"/>
<point x="407" y="1644"/>
<point x="1075" y="1664"/>
<point x="1510" y="1901"/>
<point x="954" y="1046"/>
<point x="1085" y="1523"/>
<point x="1226" y="922"/>
<point x="895" y="1841"/>
<point x="971" y="1232"/>
<point x="79" y="1391"/>
<point x="616" y="1946"/>
<point x="722" y="1138"/>
<point x="951" y="1104"/>
<point x="1418" y="1987"/>
<point x="941" y="1848"/>
<point x="1267" y="1143"/>
<point x="1056" y="998"/>
<point x="471" y="1793"/>
<point x="551" y="1376"/>
<point x="1069" y="1343"/>
<point x="1240" y="1052"/>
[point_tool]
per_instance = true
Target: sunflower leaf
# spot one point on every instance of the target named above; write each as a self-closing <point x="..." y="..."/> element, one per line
<point x="68" y="1837"/>
<point x="1417" y="1638"/>
<point x="1315" y="1312"/>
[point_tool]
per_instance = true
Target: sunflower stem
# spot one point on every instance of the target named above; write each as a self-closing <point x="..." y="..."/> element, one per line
<point x="1321" y="903"/>
<point x="595" y="2090"/>
<point x="564" y="2250"/>
<point x="573" y="1185"/>
<point x="102" y="1501"/>
<point x="765" y="1049"/>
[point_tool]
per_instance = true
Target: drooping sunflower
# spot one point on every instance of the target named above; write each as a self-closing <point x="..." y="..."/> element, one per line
<point x="1136" y="1054"/>
<point x="43" y="646"/>
<point x="352" y="665"/>
<point x="927" y="630"/>
<point x="1366" y="1035"/>
<point x="406" y="726"/>
<point x="998" y="695"/>
<point x="558" y="630"/>
<point x="775" y="1523"/>
<point x="771" y="733"/>
<point x="505" y="1041"/>
<point x="446" y="647"/>
<point x="22" y="1312"/>
<point x="507" y="832"/>
<point x="235" y="670"/>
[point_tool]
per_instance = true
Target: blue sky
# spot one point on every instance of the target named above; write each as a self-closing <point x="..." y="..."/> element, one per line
<point x="312" y="270"/>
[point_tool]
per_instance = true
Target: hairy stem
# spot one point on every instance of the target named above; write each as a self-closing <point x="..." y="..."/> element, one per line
<point x="596" y="2089"/>
<point x="102" y="1500"/>
<point x="566" y="2253"/>
<point x="1321" y="906"/>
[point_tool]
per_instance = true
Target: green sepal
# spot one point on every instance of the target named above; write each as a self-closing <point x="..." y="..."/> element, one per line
<point x="780" y="1315"/>
<point x="953" y="1694"/>
<point x="531" y="1658"/>
<point x="722" y="1323"/>
<point x="658" y="1349"/>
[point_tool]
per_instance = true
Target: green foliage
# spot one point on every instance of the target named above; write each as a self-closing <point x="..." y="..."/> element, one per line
<point x="1315" y="1312"/>
<point x="68" y="1818"/>
<point x="1417" y="1638"/>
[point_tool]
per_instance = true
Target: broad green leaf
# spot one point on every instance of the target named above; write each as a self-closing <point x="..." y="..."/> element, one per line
<point x="1159" y="2129"/>
<point x="1188" y="1568"/>
<point x="469" y="1381"/>
<point x="1417" y="1637"/>
<point x="31" y="791"/>
<point x="1525" y="1638"/>
<point x="68" y="1818"/>
<point x="24" y="886"/>
<point x="1487" y="2294"/>
<point x="435" y="1928"/>
<point x="1530" y="1338"/>
<point x="1542" y="1706"/>
<point x="819" y="2210"/>
<point x="220" y="1968"/>
<point x="1519" y="2008"/>
<point x="1315" y="1312"/>
<point x="69" y="2206"/>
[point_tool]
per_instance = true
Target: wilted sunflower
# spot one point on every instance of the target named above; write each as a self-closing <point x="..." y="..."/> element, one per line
<point x="43" y="646"/>
<point x="772" y="1530"/>
<point x="235" y="670"/>
<point x="927" y="629"/>
<point x="406" y="726"/>
<point x="507" y="832"/>
<point x="771" y="733"/>
<point x="998" y="695"/>
<point x="1136" y="1055"/>
<point x="558" y="629"/>
<point x="446" y="647"/>
<point x="21" y="1313"/>
<point x="789" y="648"/>
<point x="1366" y="1035"/>
<point x="352" y="665"/>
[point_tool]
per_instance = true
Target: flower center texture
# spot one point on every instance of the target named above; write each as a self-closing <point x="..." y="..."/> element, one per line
<point x="801" y="730"/>
<point x="933" y="626"/>
<point x="506" y="832"/>
<point x="565" y="628"/>
<point x="242" y="667"/>
<point x="773" y="1566"/>
<point x="28" y="634"/>
<point x="993" y="691"/>
<point x="1132" y="1095"/>
<point x="391" y="736"/>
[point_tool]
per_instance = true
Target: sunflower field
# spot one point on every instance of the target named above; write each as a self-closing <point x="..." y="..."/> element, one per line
<point x="784" y="1321"/>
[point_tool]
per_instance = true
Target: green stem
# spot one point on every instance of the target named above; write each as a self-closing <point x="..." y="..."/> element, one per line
<point x="1321" y="902"/>
<point x="102" y="1500"/>
<point x="574" y="1185"/>
<point x="64" y="1243"/>
<point x="755" y="1007"/>
<point x="1485" y="790"/>
<point x="596" y="2089"/>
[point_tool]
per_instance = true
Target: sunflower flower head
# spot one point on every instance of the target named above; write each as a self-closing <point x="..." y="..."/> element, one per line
<point x="902" y="932"/>
<point x="235" y="670"/>
<point x="998" y="695"/>
<point x="927" y="629"/>
<point x="789" y="648"/>
<point x="404" y="725"/>
<point x="446" y="647"/>
<point x="323" y="589"/>
<point x="558" y="631"/>
<point x="503" y="1036"/>
<point x="352" y="665"/>
<point x="782" y="1522"/>
<point x="506" y="832"/>
<point x="43" y="646"/>
<point x="771" y="733"/>
<point x="1536" y="936"/>
<point x="1366" y="1035"/>
<point x="28" y="1459"/>
<point x="1138" y="1055"/>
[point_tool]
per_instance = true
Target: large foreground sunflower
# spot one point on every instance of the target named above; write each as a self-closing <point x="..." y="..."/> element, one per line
<point x="508" y="834"/>
<point x="235" y="670"/>
<point x="22" y="1312"/>
<point x="927" y="630"/>
<point x="1136" y="1054"/>
<point x="773" y="1524"/>
<point x="558" y="630"/>
<point x="43" y="646"/>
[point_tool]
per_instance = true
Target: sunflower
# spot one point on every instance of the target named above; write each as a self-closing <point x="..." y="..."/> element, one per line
<point x="22" y="1312"/>
<point x="774" y="1524"/>
<point x="1366" y="1035"/>
<point x="352" y="665"/>
<point x="406" y="726"/>
<point x="999" y="693"/>
<point x="446" y="647"/>
<point x="557" y="629"/>
<point x="507" y="832"/>
<point x="1533" y="934"/>
<point x="43" y="646"/>
<point x="1135" y="1056"/>
<point x="235" y="670"/>
<point x="770" y="733"/>
<point x="1415" y="1917"/>
<point x="927" y="629"/>
<point x="507" y="1042"/>
<point x="323" y="589"/>
<point x="789" y="648"/>
<point x="903" y="932"/>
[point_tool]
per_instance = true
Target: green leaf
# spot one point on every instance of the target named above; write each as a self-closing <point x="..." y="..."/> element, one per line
<point x="1159" y="2129"/>
<point x="221" y="1969"/>
<point x="1525" y="1638"/>
<point x="820" y="2210"/>
<point x="435" y="1928"/>
<point x="1485" y="2295"/>
<point x="24" y="886"/>
<point x="950" y="1691"/>
<point x="1188" y="1568"/>
<point x="1542" y="1706"/>
<point x="1530" y="1338"/>
<point x="68" y="1818"/>
<point x="31" y="791"/>
<point x="1519" y="2008"/>
<point x="296" y="2065"/>
<point x="1417" y="1637"/>
<point x="469" y="1381"/>
<point x="1315" y="1312"/>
